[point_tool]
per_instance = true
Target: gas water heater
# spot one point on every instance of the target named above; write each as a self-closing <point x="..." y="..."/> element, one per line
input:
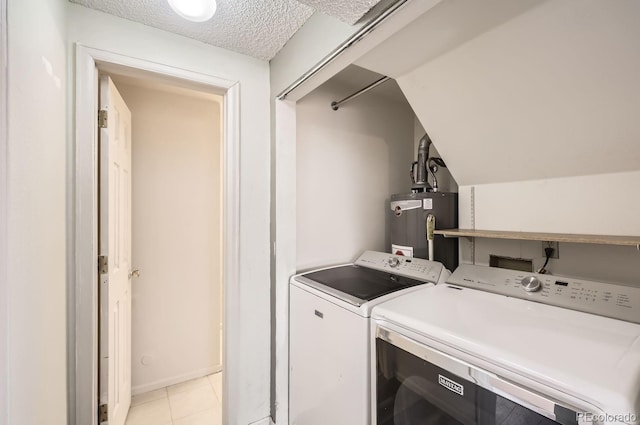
<point x="409" y="215"/>
<point x="415" y="215"/>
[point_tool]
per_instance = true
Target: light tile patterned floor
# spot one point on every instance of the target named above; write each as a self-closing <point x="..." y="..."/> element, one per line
<point x="195" y="402"/>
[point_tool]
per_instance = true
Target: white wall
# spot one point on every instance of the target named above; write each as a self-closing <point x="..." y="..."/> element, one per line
<point x="598" y="204"/>
<point x="37" y="355"/>
<point x="4" y="206"/>
<point x="248" y="397"/>
<point x="349" y="162"/>
<point x="176" y="235"/>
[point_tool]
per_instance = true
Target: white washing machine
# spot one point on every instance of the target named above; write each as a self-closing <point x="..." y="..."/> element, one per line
<point x="329" y="333"/>
<point x="495" y="346"/>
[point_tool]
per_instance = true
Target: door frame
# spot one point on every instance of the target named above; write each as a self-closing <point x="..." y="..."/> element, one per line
<point x="83" y="306"/>
<point x="4" y="207"/>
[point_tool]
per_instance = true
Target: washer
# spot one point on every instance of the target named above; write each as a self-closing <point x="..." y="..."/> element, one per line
<point x="329" y="333"/>
<point x="495" y="346"/>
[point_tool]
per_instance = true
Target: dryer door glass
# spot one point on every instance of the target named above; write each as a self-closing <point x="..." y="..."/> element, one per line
<point x="412" y="391"/>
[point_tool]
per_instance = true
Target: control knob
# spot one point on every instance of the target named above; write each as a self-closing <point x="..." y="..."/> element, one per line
<point x="530" y="284"/>
<point x="394" y="262"/>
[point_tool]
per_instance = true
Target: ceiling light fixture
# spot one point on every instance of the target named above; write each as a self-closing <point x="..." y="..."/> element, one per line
<point x="194" y="10"/>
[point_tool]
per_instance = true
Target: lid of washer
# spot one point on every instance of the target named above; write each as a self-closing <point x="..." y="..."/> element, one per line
<point x="594" y="358"/>
<point x="373" y="275"/>
<point x="355" y="284"/>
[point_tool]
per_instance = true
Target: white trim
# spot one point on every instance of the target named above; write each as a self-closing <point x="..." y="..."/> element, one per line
<point x="4" y="206"/>
<point x="231" y="249"/>
<point x="162" y="383"/>
<point x="84" y="347"/>
<point x="285" y="249"/>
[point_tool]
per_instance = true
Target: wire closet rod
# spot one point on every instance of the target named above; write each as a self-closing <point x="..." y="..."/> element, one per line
<point x="336" y="105"/>
<point x="363" y="32"/>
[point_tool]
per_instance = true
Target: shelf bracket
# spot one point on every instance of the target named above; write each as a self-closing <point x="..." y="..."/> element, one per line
<point x="465" y="237"/>
<point x="638" y="247"/>
<point x="472" y="241"/>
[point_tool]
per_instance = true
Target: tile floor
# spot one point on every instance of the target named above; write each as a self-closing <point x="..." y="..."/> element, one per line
<point x="195" y="402"/>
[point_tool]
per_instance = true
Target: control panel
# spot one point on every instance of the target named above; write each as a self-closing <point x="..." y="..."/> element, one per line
<point x="414" y="268"/>
<point x="605" y="299"/>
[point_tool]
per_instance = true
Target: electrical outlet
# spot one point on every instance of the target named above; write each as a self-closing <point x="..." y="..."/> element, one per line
<point x="554" y="245"/>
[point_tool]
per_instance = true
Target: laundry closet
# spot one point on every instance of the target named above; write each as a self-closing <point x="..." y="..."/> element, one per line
<point x="529" y="108"/>
<point x="511" y="112"/>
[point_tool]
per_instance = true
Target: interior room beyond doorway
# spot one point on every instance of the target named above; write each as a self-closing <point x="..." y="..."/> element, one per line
<point x="176" y="320"/>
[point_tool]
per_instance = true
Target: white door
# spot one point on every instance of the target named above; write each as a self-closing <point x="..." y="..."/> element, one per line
<point x="115" y="244"/>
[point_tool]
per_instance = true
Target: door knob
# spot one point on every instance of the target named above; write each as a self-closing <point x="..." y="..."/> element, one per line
<point x="134" y="273"/>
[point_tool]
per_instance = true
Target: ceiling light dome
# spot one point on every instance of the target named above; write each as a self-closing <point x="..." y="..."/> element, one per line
<point x="194" y="10"/>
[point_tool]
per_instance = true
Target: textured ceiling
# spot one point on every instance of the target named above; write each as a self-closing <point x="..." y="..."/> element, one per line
<point x="257" y="28"/>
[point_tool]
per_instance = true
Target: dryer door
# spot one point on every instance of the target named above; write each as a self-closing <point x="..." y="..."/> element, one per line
<point x="413" y="391"/>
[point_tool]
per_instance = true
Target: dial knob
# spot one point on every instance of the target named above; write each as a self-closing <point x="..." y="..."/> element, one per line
<point x="394" y="262"/>
<point x="530" y="284"/>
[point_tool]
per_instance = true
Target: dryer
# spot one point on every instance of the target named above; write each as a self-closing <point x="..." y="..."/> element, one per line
<point x="495" y="346"/>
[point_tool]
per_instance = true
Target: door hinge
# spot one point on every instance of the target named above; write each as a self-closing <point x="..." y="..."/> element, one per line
<point x="103" y="264"/>
<point x="103" y="413"/>
<point x="103" y="117"/>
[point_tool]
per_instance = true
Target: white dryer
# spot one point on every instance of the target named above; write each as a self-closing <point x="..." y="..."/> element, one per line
<point x="329" y="333"/>
<point x="501" y="347"/>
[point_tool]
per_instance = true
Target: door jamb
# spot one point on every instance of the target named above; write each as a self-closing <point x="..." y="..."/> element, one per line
<point x="83" y="337"/>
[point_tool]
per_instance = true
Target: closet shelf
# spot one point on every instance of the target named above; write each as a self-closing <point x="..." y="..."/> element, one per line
<point x="532" y="236"/>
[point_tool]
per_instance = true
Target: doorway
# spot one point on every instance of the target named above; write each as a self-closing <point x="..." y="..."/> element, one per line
<point x="90" y="63"/>
<point x="175" y="327"/>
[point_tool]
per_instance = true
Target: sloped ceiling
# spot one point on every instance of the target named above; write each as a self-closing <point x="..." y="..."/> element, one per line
<point x="444" y="27"/>
<point x="347" y="11"/>
<point x="354" y="78"/>
<point x="257" y="28"/>
<point x="553" y="91"/>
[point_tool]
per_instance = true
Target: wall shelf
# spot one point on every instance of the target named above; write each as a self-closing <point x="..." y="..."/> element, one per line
<point x="531" y="236"/>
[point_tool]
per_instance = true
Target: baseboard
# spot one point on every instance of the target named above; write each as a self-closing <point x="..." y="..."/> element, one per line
<point x="264" y="421"/>
<point x="165" y="382"/>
